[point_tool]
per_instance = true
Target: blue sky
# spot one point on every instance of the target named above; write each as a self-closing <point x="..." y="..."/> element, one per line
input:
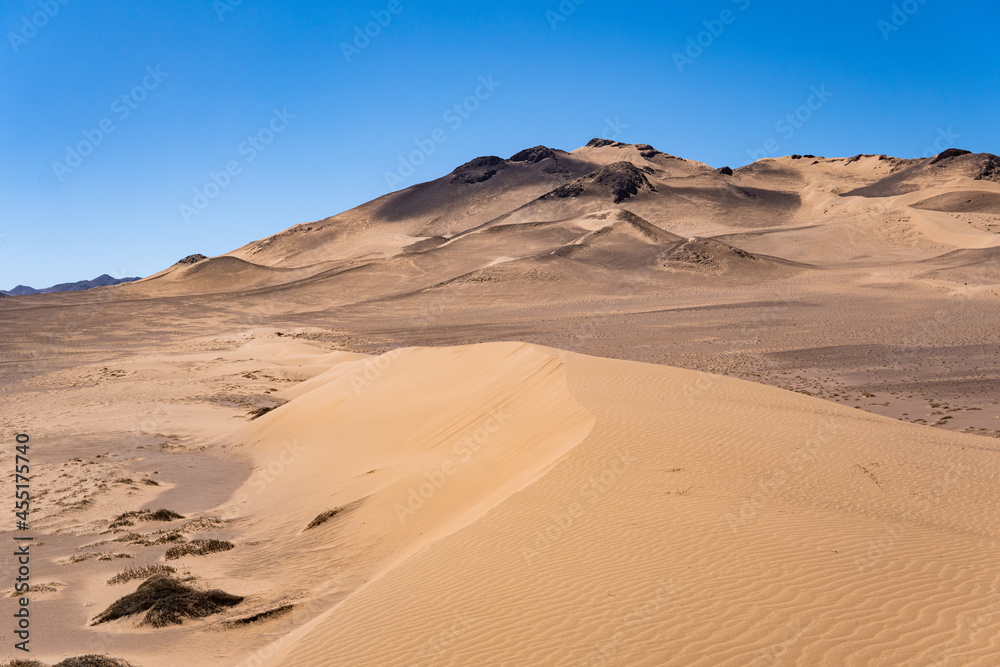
<point x="231" y="120"/>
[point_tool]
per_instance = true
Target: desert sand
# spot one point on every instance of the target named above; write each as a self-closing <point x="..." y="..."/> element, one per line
<point x="605" y="407"/>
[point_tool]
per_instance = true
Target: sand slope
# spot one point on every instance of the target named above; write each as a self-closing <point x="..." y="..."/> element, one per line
<point x="636" y="515"/>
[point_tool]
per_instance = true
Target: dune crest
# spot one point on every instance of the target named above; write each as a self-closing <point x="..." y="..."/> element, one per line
<point x="395" y="452"/>
<point x="662" y="534"/>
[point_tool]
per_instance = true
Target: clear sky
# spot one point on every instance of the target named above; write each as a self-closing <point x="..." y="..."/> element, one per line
<point x="117" y="114"/>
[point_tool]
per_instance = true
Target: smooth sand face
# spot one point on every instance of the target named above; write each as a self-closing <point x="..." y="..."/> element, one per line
<point x="422" y="489"/>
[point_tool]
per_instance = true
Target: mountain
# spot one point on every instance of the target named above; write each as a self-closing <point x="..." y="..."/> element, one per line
<point x="103" y="280"/>
<point x="606" y="214"/>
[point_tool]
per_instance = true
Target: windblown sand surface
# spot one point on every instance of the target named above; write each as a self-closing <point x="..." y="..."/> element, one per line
<point x="419" y="433"/>
<point x="507" y="503"/>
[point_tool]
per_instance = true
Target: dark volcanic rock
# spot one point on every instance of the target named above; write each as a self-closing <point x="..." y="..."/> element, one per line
<point x="478" y="170"/>
<point x="468" y="179"/>
<point x="555" y="168"/>
<point x="647" y="151"/>
<point x="192" y="259"/>
<point x="989" y="170"/>
<point x="480" y="162"/>
<point x="623" y="179"/>
<point x="601" y="143"/>
<point x="574" y="189"/>
<point x="951" y="152"/>
<point x="532" y="155"/>
<point x="725" y="171"/>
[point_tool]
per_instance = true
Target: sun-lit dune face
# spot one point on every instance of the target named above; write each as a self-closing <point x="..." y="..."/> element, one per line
<point x="417" y="437"/>
<point x="448" y="504"/>
<point x="561" y="508"/>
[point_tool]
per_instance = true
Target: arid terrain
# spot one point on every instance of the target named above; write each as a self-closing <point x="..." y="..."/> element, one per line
<point x="599" y="407"/>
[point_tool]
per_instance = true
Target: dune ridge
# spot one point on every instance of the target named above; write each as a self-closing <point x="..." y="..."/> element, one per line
<point x="635" y="545"/>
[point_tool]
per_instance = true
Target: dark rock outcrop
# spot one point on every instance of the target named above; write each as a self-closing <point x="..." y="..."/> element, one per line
<point x="479" y="170"/>
<point x="623" y="179"/>
<point x="949" y="153"/>
<point x="601" y="143"/>
<point x="574" y="189"/>
<point x="533" y="155"/>
<point x="989" y="170"/>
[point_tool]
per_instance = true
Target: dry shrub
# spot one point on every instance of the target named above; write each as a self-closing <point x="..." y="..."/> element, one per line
<point x="167" y="601"/>
<point x="198" y="548"/>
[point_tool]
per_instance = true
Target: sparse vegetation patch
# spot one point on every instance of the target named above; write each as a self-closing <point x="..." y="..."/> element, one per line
<point x="323" y="518"/>
<point x="198" y="548"/>
<point x="144" y="572"/>
<point x="165" y="601"/>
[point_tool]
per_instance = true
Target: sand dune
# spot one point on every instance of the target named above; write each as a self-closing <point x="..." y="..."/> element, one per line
<point x="978" y="266"/>
<point x="963" y="202"/>
<point x="509" y="503"/>
<point x="827" y="536"/>
<point x="214" y="275"/>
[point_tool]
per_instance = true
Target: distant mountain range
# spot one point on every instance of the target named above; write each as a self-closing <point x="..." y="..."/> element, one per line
<point x="100" y="281"/>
